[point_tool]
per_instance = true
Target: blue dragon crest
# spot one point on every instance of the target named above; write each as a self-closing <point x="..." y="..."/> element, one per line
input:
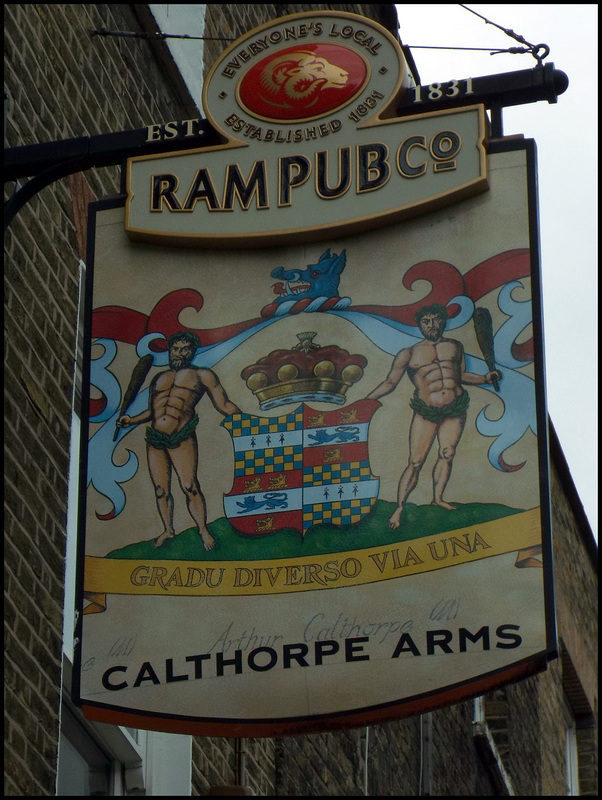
<point x="316" y="280"/>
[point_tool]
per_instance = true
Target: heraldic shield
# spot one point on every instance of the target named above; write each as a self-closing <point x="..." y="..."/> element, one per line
<point x="301" y="469"/>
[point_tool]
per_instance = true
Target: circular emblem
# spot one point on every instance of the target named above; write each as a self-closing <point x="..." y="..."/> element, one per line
<point x="302" y="82"/>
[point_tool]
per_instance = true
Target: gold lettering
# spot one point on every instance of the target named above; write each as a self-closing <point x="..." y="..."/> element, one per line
<point x="411" y="557"/>
<point x="312" y="574"/>
<point x="175" y="579"/>
<point x="157" y="576"/>
<point x="153" y="133"/>
<point x="195" y="580"/>
<point x="256" y="186"/>
<point x="404" y="166"/>
<point x="189" y="123"/>
<point x="380" y="559"/>
<point x="170" y="130"/>
<point x="211" y="583"/>
<point x="137" y="578"/>
<point x="163" y="190"/>
<point x="465" y="545"/>
<point x="243" y="576"/>
<point x="432" y="546"/>
<point x="479" y="542"/>
<point x="292" y="575"/>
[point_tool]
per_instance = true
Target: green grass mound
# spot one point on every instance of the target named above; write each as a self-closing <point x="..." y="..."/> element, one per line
<point x="372" y="531"/>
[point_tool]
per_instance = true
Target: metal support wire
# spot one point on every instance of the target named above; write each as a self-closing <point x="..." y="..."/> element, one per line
<point x="154" y="35"/>
<point x="494" y="51"/>
<point x="531" y="48"/>
<point x="534" y="49"/>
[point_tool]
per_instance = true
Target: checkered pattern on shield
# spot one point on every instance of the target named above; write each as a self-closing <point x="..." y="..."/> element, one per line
<point x="301" y="469"/>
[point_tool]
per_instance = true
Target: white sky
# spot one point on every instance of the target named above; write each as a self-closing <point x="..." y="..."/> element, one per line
<point x="566" y="134"/>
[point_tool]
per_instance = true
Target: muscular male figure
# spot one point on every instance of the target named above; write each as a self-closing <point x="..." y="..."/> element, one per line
<point x="437" y="368"/>
<point x="171" y="441"/>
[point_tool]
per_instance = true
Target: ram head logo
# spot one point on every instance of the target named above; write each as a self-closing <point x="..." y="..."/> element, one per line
<point x="296" y="79"/>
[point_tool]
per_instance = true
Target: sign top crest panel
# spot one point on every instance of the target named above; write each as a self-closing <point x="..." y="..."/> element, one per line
<point x="307" y="107"/>
<point x="302" y="68"/>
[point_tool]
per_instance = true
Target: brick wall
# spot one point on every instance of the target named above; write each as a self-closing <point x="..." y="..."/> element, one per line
<point x="62" y="83"/>
<point x="576" y="590"/>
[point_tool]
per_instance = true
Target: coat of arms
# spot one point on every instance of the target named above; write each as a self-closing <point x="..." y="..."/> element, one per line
<point x="301" y="469"/>
<point x="306" y="467"/>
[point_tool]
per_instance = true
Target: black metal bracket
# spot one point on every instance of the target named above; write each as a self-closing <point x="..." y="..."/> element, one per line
<point x="54" y="160"/>
<point x="50" y="161"/>
<point x="493" y="91"/>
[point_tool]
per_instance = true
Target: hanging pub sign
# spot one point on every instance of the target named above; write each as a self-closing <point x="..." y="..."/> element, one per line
<point x="314" y="474"/>
<point x="313" y="148"/>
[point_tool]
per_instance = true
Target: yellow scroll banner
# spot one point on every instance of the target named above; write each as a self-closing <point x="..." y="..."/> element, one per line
<point x="275" y="576"/>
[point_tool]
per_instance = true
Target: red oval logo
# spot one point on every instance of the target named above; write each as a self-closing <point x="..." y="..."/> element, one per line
<point x="302" y="82"/>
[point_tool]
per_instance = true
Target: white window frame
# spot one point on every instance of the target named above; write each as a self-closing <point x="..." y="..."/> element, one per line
<point x="125" y="748"/>
<point x="571" y="751"/>
<point x="483" y="737"/>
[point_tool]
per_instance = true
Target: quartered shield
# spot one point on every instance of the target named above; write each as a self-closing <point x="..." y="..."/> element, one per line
<point x="301" y="469"/>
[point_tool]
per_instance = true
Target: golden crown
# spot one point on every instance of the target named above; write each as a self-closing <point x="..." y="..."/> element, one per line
<point x="307" y="372"/>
